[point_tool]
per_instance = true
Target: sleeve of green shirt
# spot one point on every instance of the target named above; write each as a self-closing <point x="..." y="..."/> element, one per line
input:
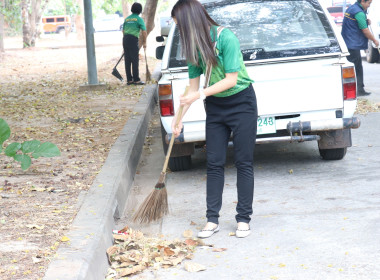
<point x="362" y="20"/>
<point x="230" y="48"/>
<point x="194" y="71"/>
<point x="142" y="24"/>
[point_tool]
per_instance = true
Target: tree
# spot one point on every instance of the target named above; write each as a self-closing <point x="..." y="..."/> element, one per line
<point x="1" y="26"/>
<point x="126" y="8"/>
<point x="31" y="12"/>
<point x="79" y="20"/>
<point x="148" y="16"/>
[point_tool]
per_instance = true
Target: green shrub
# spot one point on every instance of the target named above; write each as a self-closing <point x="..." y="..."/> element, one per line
<point x="23" y="152"/>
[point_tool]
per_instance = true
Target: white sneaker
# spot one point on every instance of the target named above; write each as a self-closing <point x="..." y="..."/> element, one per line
<point x="205" y="233"/>
<point x="243" y="230"/>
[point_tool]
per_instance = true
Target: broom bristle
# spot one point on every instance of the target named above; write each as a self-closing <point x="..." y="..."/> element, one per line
<point x="155" y="205"/>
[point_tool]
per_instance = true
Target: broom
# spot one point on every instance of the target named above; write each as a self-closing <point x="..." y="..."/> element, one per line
<point x="155" y="205"/>
<point x="147" y="75"/>
<point x="115" y="72"/>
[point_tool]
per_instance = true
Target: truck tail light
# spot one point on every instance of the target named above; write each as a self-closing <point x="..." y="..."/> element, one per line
<point x="349" y="83"/>
<point x="166" y="100"/>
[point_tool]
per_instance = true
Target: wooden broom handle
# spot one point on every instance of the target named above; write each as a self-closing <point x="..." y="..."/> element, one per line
<point x="179" y="117"/>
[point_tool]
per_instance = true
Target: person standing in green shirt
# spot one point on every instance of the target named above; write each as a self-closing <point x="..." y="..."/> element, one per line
<point x="230" y="104"/>
<point x="132" y="26"/>
<point x="356" y="33"/>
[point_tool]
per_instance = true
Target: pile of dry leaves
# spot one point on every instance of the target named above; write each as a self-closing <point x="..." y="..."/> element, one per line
<point x="133" y="252"/>
<point x="365" y="106"/>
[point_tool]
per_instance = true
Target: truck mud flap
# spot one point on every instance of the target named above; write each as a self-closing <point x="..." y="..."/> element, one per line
<point x="335" y="139"/>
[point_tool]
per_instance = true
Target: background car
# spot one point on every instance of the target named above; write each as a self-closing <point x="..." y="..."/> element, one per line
<point x="337" y="13"/>
<point x="55" y="24"/>
<point x="108" y="23"/>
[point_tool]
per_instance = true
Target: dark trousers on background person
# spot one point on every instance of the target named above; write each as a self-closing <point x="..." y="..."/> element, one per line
<point x="236" y="114"/>
<point x="131" y="57"/>
<point x="356" y="58"/>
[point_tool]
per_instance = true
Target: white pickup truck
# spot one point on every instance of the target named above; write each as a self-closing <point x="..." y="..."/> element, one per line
<point x="305" y="87"/>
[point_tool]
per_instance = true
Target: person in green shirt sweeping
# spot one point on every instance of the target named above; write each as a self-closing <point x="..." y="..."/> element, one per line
<point x="230" y="104"/>
<point x="132" y="26"/>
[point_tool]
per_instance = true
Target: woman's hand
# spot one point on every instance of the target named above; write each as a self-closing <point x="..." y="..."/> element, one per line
<point x="176" y="129"/>
<point x="189" y="98"/>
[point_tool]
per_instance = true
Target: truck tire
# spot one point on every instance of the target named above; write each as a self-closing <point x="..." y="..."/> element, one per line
<point x="333" y="154"/>
<point x="372" y="53"/>
<point x="179" y="163"/>
<point x="61" y="31"/>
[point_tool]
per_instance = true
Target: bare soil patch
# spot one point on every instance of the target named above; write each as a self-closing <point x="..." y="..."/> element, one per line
<point x="40" y="99"/>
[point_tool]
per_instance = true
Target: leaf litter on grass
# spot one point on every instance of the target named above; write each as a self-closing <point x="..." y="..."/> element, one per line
<point x="40" y="99"/>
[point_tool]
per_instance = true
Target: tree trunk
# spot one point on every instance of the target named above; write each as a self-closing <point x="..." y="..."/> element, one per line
<point x="79" y="21"/>
<point x="26" y="36"/>
<point x="31" y="12"/>
<point x="148" y="16"/>
<point x="126" y="8"/>
<point x="1" y="27"/>
<point x="149" y="13"/>
<point x="35" y="6"/>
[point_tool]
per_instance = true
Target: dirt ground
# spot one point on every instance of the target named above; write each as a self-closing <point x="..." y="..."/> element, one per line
<point x="40" y="99"/>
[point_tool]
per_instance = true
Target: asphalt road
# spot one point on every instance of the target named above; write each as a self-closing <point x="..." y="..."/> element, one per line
<point x="313" y="219"/>
<point x="372" y="80"/>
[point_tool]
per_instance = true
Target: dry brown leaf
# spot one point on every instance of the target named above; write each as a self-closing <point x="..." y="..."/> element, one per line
<point x="191" y="242"/>
<point x="176" y="261"/>
<point x="121" y="237"/>
<point x="194" y="267"/>
<point x="188" y="233"/>
<point x="168" y="251"/>
<point x="131" y="270"/>
<point x="219" y="249"/>
<point x="192" y="223"/>
<point x="124" y="229"/>
<point x="126" y="264"/>
<point x="111" y="251"/>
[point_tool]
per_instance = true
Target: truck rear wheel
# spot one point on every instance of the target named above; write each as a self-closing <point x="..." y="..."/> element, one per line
<point x="333" y="154"/>
<point x="372" y="53"/>
<point x="177" y="163"/>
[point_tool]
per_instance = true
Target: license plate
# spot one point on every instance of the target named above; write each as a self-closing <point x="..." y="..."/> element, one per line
<point x="266" y="125"/>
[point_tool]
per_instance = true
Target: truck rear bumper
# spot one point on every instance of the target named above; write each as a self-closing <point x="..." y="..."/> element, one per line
<point x="295" y="129"/>
<point x="323" y="125"/>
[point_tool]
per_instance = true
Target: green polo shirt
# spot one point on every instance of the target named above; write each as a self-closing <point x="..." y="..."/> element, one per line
<point x="133" y="24"/>
<point x="230" y="60"/>
<point x="361" y="19"/>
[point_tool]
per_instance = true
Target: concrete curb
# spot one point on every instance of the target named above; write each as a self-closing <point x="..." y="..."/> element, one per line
<point x="84" y="256"/>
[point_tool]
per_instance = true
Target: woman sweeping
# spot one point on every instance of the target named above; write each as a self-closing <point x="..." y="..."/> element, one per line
<point x="230" y="104"/>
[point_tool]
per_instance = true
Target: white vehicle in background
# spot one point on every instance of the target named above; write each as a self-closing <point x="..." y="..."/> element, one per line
<point x="372" y="52"/>
<point x="108" y="23"/>
<point x="305" y="87"/>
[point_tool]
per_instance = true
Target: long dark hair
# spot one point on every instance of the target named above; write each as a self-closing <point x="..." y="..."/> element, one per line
<point x="194" y="25"/>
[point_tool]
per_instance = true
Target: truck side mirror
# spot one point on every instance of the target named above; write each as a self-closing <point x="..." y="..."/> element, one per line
<point x="160" y="52"/>
<point x="160" y="39"/>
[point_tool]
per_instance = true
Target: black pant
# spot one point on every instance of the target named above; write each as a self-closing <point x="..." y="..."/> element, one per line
<point x="356" y="58"/>
<point x="236" y="114"/>
<point x="131" y="57"/>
